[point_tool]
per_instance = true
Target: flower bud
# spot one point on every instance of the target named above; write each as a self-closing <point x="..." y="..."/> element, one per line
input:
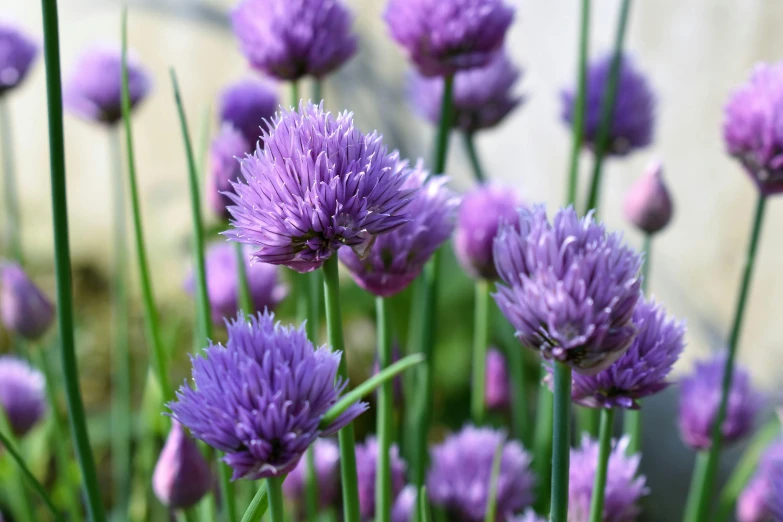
<point x="22" y="397"/>
<point x="648" y="204"/>
<point x="24" y="309"/>
<point x="182" y="476"/>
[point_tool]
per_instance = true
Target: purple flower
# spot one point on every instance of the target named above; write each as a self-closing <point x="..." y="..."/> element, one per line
<point x="571" y="287"/>
<point x="327" y="475"/>
<point x="246" y="105"/>
<point x="633" y="119"/>
<point x="24" y="309"/>
<point x="225" y="154"/>
<point x="480" y="214"/>
<point x="648" y="204"/>
<point x="366" y="466"/>
<point x="442" y="38"/>
<point x="461" y="469"/>
<point x="642" y="370"/>
<point x="776" y="502"/>
<point x="288" y="39"/>
<point x="260" y="399"/>
<point x="753" y="503"/>
<point x="496" y="389"/>
<point x="752" y="127"/>
<point x="22" y="396"/>
<point x="317" y="185"/>
<point x="482" y="96"/>
<point x="405" y="504"/>
<point x="700" y="395"/>
<point x="17" y="53"/>
<point x="624" y="486"/>
<point x="94" y="90"/>
<point x="396" y="258"/>
<point x="528" y="516"/>
<point x="182" y="477"/>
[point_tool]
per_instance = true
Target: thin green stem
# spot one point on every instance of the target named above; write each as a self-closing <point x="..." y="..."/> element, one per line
<point x="311" y="485"/>
<point x="698" y="480"/>
<point x="578" y="125"/>
<point x="604" y="450"/>
<point x="295" y="94"/>
<point x="607" y="107"/>
<point x="258" y="505"/>
<point x="588" y="420"/>
<point x="423" y="510"/>
<point x="21" y="505"/>
<point x="243" y="286"/>
<point x="318" y="90"/>
<point x="334" y="325"/>
<point x="13" y="222"/>
<point x="227" y="491"/>
<point x="492" y="496"/>
<point x="383" y="486"/>
<point x="475" y="163"/>
<point x="519" y="407"/>
<point x="444" y="126"/>
<point x="700" y="495"/>
<point x="542" y="444"/>
<point x="561" y="439"/>
<point x="10" y="447"/>
<point x="647" y="249"/>
<point x="275" y="494"/>
<point x="62" y="262"/>
<point x="314" y="285"/>
<point x="480" y="342"/>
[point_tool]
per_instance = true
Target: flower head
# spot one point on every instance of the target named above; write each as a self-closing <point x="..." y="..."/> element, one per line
<point x="246" y="105"/>
<point x="753" y="504"/>
<point x="633" y="119"/>
<point x="182" y="477"/>
<point x="648" y="204"/>
<point x="700" y="395"/>
<point x="227" y="149"/>
<point x="482" y="96"/>
<point x="318" y="184"/>
<point x="442" y="38"/>
<point x="480" y="215"/>
<point x="366" y="466"/>
<point x="22" y="397"/>
<point x="642" y="370"/>
<point x="461" y="469"/>
<point x="94" y="89"/>
<point x="17" y="54"/>
<point x="396" y="258"/>
<point x="570" y="287"/>
<point x="24" y="309"/>
<point x="288" y="39"/>
<point x="776" y="502"/>
<point x="496" y="389"/>
<point x="327" y="475"/>
<point x="624" y="486"/>
<point x="260" y="399"/>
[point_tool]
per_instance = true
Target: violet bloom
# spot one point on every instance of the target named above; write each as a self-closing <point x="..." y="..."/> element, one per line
<point x="288" y="39"/>
<point x="24" y="309"/>
<point x="752" y="130"/>
<point x="648" y="204"/>
<point x="22" y="394"/>
<point x="441" y="38"/>
<point x="482" y="96"/>
<point x="182" y="477"/>
<point x="17" y="54"/>
<point x="570" y="287"/>
<point x="327" y="475"/>
<point x="642" y="370"/>
<point x="459" y="476"/>
<point x="753" y="504"/>
<point x="366" y="466"/>
<point x="93" y="92"/>
<point x="318" y="184"/>
<point x="261" y="398"/>
<point x="776" y="502"/>
<point x="227" y="150"/>
<point x="405" y="504"/>
<point x="246" y="105"/>
<point x="700" y="395"/>
<point x="528" y="516"/>
<point x="496" y="389"/>
<point x="633" y="119"/>
<point x="396" y="258"/>
<point x="480" y="214"/>
<point x="624" y="486"/>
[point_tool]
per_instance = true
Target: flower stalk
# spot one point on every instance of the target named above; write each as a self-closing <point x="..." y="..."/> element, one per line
<point x="385" y="419"/>
<point x="604" y="450"/>
<point x="480" y="342"/>
<point x="561" y="442"/>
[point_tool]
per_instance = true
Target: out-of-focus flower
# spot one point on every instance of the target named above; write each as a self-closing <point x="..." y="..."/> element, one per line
<point x="24" y="309"/>
<point x="461" y="469"/>
<point x="480" y="214"/>
<point x="22" y="396"/>
<point x="227" y="150"/>
<point x="405" y="504"/>
<point x="633" y="119"/>
<point x="441" y="38"/>
<point x="700" y="395"/>
<point x="246" y="105"/>
<point x="288" y="39"/>
<point x="776" y="499"/>
<point x="317" y="185"/>
<point x="496" y="389"/>
<point x="260" y="399"/>
<point x="94" y="89"/>
<point x="570" y="287"/>
<point x="482" y="96"/>
<point x="397" y="258"/>
<point x="528" y="516"/>
<point x="182" y="477"/>
<point x="624" y="486"/>
<point x="648" y="204"/>
<point x="17" y="53"/>
<point x="753" y="502"/>
<point x="327" y="475"/>
<point x="366" y="466"/>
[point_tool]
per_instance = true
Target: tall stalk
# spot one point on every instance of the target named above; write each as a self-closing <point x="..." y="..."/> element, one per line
<point x="604" y="450"/>
<point x="275" y="495"/>
<point x="480" y="342"/>
<point x="561" y="442"/>
<point x="470" y="146"/>
<point x="383" y="486"/>
<point x="578" y="125"/>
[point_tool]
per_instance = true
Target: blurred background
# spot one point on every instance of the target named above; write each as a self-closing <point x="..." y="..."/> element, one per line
<point x="694" y="53"/>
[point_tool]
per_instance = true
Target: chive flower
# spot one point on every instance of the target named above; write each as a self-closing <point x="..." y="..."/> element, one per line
<point x="648" y="204"/>
<point x="22" y="394"/>
<point x="405" y="504"/>
<point x="776" y="503"/>
<point x="260" y="398"/>
<point x="225" y="153"/>
<point x="17" y="54"/>
<point x="327" y="476"/>
<point x="182" y="477"/>
<point x="497" y="386"/>
<point x="317" y="185"/>
<point x="366" y="466"/>
<point x="753" y="504"/>
<point x="570" y="288"/>
<point x="24" y="308"/>
<point x="246" y="105"/>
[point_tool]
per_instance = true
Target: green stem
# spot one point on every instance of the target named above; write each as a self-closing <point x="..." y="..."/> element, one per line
<point x="698" y="480"/>
<point x="334" y="325"/>
<point x="311" y="485"/>
<point x="243" y="286"/>
<point x="383" y="486"/>
<point x="699" y="500"/>
<point x="519" y="407"/>
<point x="444" y="126"/>
<point x="577" y="125"/>
<point x="647" y="249"/>
<point x="314" y="284"/>
<point x="604" y="450"/>
<point x="607" y="107"/>
<point x="227" y="491"/>
<point x="275" y="494"/>
<point x="542" y="460"/>
<point x="480" y="342"/>
<point x="13" y="221"/>
<point x="492" y="496"/>
<point x="62" y="262"/>
<point x="318" y="90"/>
<point x="295" y="94"/>
<point x="17" y="495"/>
<point x="588" y="420"/>
<point x="561" y="442"/>
<point x="470" y="147"/>
<point x="423" y="510"/>
<point x="258" y="505"/>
